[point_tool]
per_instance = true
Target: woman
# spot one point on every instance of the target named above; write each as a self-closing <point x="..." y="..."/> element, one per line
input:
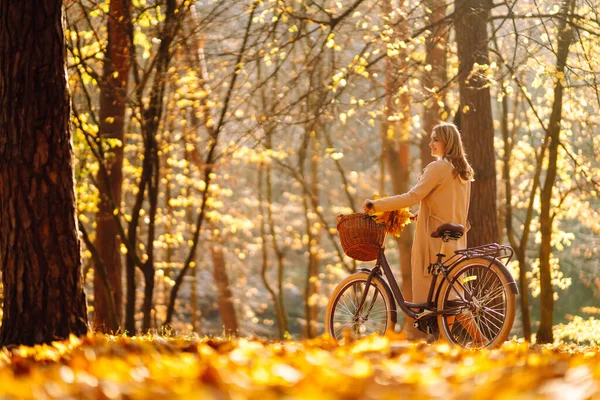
<point x="443" y="193"/>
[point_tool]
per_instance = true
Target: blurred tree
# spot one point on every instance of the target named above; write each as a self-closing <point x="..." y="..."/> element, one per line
<point x="113" y="99"/>
<point x="322" y="68"/>
<point x="395" y="124"/>
<point x="214" y="130"/>
<point x="435" y="76"/>
<point x="224" y="295"/>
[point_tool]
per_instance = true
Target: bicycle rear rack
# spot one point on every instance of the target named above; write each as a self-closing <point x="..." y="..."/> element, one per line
<point x="493" y="250"/>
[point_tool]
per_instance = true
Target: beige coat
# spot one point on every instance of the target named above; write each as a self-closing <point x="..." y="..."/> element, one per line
<point x="443" y="199"/>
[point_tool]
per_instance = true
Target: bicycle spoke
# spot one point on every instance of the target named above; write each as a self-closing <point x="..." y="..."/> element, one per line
<point x="372" y="318"/>
<point x="483" y="327"/>
<point x="482" y="280"/>
<point x="353" y="313"/>
<point x="492" y="295"/>
<point x="343" y="327"/>
<point x="489" y="324"/>
<point x="491" y="310"/>
<point x="493" y="319"/>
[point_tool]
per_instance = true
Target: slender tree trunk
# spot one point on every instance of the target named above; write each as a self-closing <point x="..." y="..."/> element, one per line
<point x="509" y="139"/>
<point x="148" y="295"/>
<point x="152" y="116"/>
<point x="224" y="295"/>
<point x="194" y="298"/>
<point x="310" y="150"/>
<point x="265" y="256"/>
<point x="521" y="247"/>
<point x="39" y="246"/>
<point x="112" y="119"/>
<point x="476" y="122"/>
<point x="267" y="217"/>
<point x="565" y="38"/>
<point x="433" y="80"/>
<point x="397" y="151"/>
<point x="277" y="250"/>
<point x="162" y="294"/>
<point x="312" y="276"/>
<point x="148" y="270"/>
<point x="195" y="126"/>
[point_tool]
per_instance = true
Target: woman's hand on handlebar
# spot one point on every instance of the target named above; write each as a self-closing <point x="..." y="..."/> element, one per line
<point x="369" y="206"/>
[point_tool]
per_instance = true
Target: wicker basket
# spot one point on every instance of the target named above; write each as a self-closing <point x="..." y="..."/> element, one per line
<point x="361" y="237"/>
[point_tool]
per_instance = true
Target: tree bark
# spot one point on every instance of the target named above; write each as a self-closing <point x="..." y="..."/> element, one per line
<point x="39" y="245"/>
<point x="565" y="38"/>
<point x="475" y="113"/>
<point x="112" y="119"/>
<point x="224" y="295"/>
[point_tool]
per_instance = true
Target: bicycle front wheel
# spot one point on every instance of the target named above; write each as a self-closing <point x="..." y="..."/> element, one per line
<point x="344" y="319"/>
<point x="486" y="316"/>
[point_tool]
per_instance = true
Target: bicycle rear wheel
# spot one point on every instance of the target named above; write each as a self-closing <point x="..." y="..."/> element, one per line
<point x="343" y="318"/>
<point x="486" y="317"/>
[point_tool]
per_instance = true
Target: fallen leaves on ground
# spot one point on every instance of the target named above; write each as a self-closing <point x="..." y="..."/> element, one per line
<point x="99" y="366"/>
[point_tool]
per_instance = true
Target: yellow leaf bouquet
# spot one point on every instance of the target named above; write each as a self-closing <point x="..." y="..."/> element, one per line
<point x="394" y="221"/>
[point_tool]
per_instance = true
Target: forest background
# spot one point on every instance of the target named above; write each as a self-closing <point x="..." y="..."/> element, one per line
<point x="217" y="141"/>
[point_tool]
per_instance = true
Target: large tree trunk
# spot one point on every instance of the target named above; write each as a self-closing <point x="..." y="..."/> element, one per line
<point x="476" y="117"/>
<point x="434" y="80"/>
<point x="110" y="179"/>
<point x="224" y="295"/>
<point x="39" y="246"/>
<point x="565" y="38"/>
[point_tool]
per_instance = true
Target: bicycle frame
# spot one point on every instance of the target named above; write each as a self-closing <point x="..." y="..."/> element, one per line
<point x="405" y="306"/>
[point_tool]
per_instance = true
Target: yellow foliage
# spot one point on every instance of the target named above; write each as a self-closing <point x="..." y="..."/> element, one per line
<point x="395" y="221"/>
<point x="211" y="368"/>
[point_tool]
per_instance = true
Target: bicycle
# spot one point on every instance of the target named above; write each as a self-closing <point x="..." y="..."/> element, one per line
<point x="473" y="306"/>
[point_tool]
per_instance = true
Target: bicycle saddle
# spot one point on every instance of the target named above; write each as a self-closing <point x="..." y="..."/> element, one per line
<point x="454" y="231"/>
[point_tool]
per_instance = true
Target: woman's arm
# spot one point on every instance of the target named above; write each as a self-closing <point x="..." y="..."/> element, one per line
<point x="432" y="176"/>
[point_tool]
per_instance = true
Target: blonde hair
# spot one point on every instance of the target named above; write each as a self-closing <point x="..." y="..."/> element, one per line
<point x="454" y="152"/>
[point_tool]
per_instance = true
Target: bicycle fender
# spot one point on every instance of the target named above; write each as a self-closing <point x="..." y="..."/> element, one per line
<point x="387" y="289"/>
<point x="511" y="280"/>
